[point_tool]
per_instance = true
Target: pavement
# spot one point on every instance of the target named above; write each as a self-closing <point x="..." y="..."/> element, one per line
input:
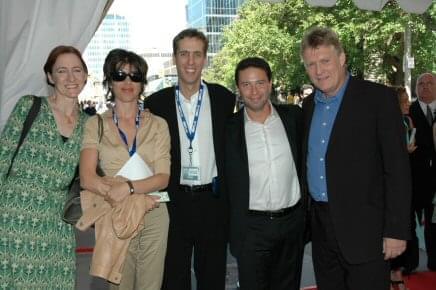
<point x="86" y="282"/>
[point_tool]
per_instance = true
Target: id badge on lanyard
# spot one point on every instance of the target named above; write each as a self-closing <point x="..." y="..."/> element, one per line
<point x="190" y="173"/>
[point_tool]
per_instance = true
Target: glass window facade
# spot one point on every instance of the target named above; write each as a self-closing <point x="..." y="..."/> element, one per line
<point x="114" y="32"/>
<point x="211" y="16"/>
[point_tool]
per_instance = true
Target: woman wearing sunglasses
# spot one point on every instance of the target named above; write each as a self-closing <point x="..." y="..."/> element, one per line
<point x="37" y="249"/>
<point x="134" y="144"/>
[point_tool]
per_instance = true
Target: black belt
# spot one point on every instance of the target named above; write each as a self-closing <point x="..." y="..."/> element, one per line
<point x="196" y="188"/>
<point x="274" y="213"/>
<point x="322" y="204"/>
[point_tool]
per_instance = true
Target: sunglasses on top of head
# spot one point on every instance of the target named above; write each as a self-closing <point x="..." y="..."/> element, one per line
<point x="120" y="76"/>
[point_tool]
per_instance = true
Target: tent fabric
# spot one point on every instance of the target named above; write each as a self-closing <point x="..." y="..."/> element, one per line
<point x="29" y="30"/>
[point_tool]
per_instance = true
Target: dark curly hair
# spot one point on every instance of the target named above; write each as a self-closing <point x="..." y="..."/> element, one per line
<point x="117" y="58"/>
<point x="256" y="62"/>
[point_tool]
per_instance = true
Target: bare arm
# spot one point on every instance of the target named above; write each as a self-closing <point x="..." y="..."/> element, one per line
<point x="89" y="179"/>
<point x="150" y="184"/>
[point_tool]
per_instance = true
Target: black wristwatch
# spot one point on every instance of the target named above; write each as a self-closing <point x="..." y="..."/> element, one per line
<point x="131" y="188"/>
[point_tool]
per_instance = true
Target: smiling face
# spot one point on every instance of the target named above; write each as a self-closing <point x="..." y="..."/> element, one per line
<point x="126" y="90"/>
<point x="255" y="90"/>
<point x="326" y="68"/>
<point x="190" y="59"/>
<point x="68" y="76"/>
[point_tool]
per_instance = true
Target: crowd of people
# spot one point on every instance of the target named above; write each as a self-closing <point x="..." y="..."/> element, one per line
<point x="171" y="182"/>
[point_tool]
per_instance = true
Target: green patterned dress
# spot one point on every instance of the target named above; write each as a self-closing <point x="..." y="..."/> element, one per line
<point x="37" y="249"/>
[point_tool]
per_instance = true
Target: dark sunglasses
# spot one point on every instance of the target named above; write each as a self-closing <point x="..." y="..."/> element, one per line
<point x="120" y="76"/>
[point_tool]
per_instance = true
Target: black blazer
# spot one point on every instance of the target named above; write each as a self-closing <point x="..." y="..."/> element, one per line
<point x="222" y="103"/>
<point x="367" y="170"/>
<point x="236" y="167"/>
<point x="424" y="174"/>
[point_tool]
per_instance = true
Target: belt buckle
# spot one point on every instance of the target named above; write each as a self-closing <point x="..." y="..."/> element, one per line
<point x="275" y="214"/>
<point x="193" y="190"/>
<point x="186" y="188"/>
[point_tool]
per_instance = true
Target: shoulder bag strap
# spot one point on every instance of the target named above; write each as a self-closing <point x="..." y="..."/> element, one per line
<point x="100" y="128"/>
<point x="33" y="112"/>
<point x="99" y="170"/>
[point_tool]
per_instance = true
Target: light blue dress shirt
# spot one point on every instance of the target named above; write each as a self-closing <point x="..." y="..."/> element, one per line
<point x="324" y="115"/>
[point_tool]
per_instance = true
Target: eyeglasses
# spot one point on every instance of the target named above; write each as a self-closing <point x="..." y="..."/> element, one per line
<point x="120" y="76"/>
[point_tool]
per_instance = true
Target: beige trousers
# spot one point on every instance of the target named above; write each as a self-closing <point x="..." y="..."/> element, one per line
<point x="144" y="264"/>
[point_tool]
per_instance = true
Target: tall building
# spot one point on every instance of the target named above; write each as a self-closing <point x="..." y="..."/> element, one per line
<point x="113" y="33"/>
<point x="155" y="59"/>
<point x="211" y="16"/>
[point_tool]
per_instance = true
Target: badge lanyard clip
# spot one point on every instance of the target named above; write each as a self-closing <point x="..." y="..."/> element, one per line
<point x="190" y="134"/>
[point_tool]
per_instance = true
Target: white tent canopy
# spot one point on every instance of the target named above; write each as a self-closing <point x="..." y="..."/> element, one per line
<point x="28" y="31"/>
<point x="411" y="6"/>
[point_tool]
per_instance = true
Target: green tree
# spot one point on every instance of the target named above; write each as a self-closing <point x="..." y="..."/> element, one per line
<point x="373" y="41"/>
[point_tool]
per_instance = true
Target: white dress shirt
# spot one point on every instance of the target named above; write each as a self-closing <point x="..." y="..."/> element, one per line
<point x="203" y="155"/>
<point x="274" y="182"/>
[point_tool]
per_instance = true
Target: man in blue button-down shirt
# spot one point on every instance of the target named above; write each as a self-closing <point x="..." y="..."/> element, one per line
<point x="323" y="118"/>
<point x="357" y="171"/>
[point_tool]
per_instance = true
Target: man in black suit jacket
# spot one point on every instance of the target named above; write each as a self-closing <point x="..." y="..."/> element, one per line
<point x="357" y="169"/>
<point x="423" y="160"/>
<point x="196" y="112"/>
<point x="262" y="158"/>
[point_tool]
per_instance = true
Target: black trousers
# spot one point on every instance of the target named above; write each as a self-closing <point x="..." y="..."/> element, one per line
<point x="424" y="188"/>
<point x="430" y="237"/>
<point x="272" y="252"/>
<point x="332" y="271"/>
<point x="199" y="227"/>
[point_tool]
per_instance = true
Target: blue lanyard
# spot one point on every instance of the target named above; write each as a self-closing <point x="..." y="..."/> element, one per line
<point x="190" y="134"/>
<point x="123" y="135"/>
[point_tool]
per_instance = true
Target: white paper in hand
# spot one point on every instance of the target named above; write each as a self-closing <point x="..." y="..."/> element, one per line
<point x="412" y="136"/>
<point x="162" y="194"/>
<point x="135" y="169"/>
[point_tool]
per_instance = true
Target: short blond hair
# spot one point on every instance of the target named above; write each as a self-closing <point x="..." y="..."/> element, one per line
<point x="317" y="36"/>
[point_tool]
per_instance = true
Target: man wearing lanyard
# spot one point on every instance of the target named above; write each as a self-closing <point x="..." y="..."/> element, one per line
<point x="196" y="112"/>
<point x="357" y="169"/>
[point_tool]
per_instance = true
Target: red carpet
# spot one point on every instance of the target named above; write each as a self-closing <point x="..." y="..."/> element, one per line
<point x="421" y="281"/>
<point x="416" y="281"/>
<point x="84" y="250"/>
